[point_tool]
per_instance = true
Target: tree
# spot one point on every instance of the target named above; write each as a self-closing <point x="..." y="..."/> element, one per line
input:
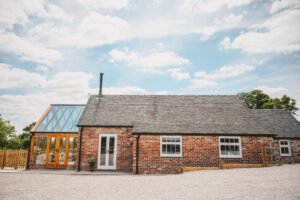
<point x="24" y="137"/>
<point x="6" y="131"/>
<point x="256" y="99"/>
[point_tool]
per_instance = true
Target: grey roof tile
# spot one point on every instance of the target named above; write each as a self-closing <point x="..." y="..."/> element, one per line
<point x="195" y="114"/>
<point x="280" y="122"/>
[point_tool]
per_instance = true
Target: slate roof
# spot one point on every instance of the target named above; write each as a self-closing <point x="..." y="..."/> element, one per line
<point x="173" y="114"/>
<point x="279" y="122"/>
<point x="60" y="118"/>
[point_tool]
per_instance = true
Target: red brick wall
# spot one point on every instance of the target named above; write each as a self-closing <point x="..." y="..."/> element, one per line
<point x="197" y="151"/>
<point x="90" y="141"/>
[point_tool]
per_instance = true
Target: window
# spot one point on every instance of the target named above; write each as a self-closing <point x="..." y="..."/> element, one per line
<point x="170" y="146"/>
<point x="230" y="147"/>
<point x="41" y="150"/>
<point x="285" y="147"/>
<point x="72" y="150"/>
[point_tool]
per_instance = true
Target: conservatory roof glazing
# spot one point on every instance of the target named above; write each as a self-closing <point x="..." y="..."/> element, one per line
<point x="60" y="118"/>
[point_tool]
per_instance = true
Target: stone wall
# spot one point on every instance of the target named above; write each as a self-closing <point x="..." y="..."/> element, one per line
<point x="295" y="152"/>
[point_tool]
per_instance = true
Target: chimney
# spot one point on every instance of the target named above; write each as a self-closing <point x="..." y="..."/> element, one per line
<point x="100" y="86"/>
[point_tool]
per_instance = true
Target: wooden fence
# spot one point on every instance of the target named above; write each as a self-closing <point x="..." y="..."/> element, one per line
<point x="13" y="158"/>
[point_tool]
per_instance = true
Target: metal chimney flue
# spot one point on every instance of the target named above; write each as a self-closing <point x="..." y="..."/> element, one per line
<point x="100" y="86"/>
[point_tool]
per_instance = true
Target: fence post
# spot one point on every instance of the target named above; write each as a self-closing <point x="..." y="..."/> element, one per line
<point x="264" y="156"/>
<point x="3" y="163"/>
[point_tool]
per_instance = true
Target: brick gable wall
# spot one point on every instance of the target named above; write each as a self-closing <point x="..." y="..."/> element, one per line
<point x="90" y="141"/>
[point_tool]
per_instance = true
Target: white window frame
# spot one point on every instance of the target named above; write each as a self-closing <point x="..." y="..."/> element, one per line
<point x="235" y="144"/>
<point x="288" y="146"/>
<point x="170" y="155"/>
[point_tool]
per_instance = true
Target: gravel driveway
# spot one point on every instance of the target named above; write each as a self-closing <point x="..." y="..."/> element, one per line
<point x="255" y="183"/>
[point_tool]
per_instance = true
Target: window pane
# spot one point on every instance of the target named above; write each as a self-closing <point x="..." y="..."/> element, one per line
<point x="227" y="140"/>
<point x="62" y="150"/>
<point x="34" y="145"/>
<point x="111" y="151"/>
<point x="164" y="149"/>
<point x="164" y="139"/>
<point x="168" y="149"/>
<point x="231" y="140"/>
<point x="177" y="139"/>
<point x="51" y="156"/>
<point x="41" y="150"/>
<point x="284" y="150"/>
<point x="72" y="150"/>
<point x="222" y="140"/>
<point x="177" y="149"/>
<point x="172" y="148"/>
<point x="236" y="140"/>
<point x="222" y="150"/>
<point x="103" y="151"/>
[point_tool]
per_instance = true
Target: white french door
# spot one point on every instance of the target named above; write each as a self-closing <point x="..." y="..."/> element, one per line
<point x="107" y="151"/>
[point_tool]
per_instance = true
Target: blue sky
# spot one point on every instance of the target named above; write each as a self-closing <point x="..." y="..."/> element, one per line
<point x="53" y="51"/>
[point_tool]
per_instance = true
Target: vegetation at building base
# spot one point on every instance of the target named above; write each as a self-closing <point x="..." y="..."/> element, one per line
<point x="256" y="99"/>
<point x="9" y="139"/>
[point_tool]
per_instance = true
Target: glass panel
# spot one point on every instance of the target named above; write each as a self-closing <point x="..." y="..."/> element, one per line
<point x="41" y="150"/>
<point x="111" y="151"/>
<point x="164" y="149"/>
<point x="222" y="140"/>
<point x="72" y="150"/>
<point x="236" y="140"/>
<point x="168" y="149"/>
<point x="284" y="150"/>
<point x="164" y="139"/>
<point x="51" y="157"/>
<point x="34" y="145"/>
<point x="227" y="140"/>
<point x="223" y="150"/>
<point x="61" y="119"/>
<point x="62" y="150"/>
<point x="177" y="149"/>
<point x="103" y="151"/>
<point x="284" y="143"/>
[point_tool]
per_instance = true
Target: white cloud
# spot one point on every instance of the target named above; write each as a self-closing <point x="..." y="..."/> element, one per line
<point x="211" y="6"/>
<point x="12" y="78"/>
<point x="18" y="11"/>
<point x="150" y="63"/>
<point x="93" y="30"/>
<point x="41" y="68"/>
<point x="62" y="88"/>
<point x="284" y="4"/>
<point x="282" y="35"/>
<point x="124" y="90"/>
<point x="226" y="72"/>
<point x="202" y="83"/>
<point x="11" y="43"/>
<point x="177" y="74"/>
<point x="104" y="4"/>
<point x="273" y="91"/>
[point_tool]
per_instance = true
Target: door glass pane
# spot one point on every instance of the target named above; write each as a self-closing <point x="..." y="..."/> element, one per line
<point x="111" y="151"/>
<point x="41" y="150"/>
<point x="51" y="157"/>
<point x="103" y="151"/>
<point x="62" y="150"/>
<point x="34" y="145"/>
<point x="72" y="150"/>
